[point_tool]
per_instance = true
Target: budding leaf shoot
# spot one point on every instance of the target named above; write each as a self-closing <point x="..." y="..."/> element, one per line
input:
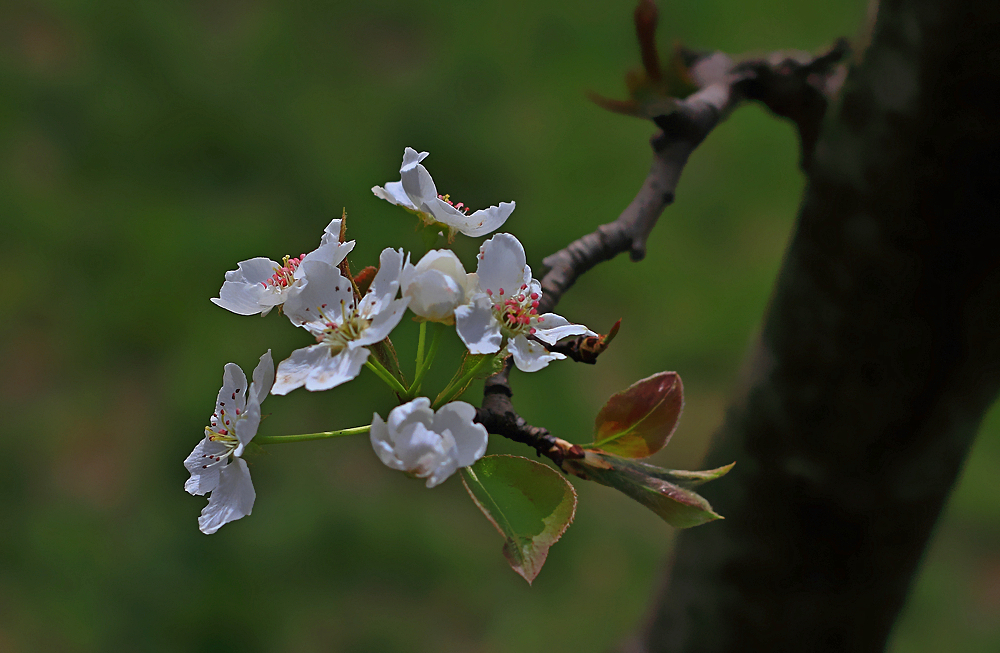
<point x="664" y="491"/>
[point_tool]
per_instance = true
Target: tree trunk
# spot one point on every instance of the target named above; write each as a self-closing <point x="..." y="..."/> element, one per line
<point x="877" y="360"/>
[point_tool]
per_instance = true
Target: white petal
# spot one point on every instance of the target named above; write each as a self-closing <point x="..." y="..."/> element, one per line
<point x="416" y="411"/>
<point x="477" y="327"/>
<point x="443" y="260"/>
<point x="394" y="193"/>
<point x="470" y="437"/>
<point x="530" y="356"/>
<point x="245" y="426"/>
<point x="293" y="371"/>
<point x="434" y="295"/>
<point x="319" y="299"/>
<point x="419" y="449"/>
<point x="471" y="286"/>
<point x="386" y="282"/>
<point x="418" y="442"/>
<point x="232" y="394"/>
<point x="447" y="465"/>
<point x="331" y="234"/>
<point x="241" y="298"/>
<point x="438" y="284"/>
<point x="331" y="253"/>
<point x="231" y="500"/>
<point x="204" y="463"/>
<point x="255" y="270"/>
<point x="552" y="328"/>
<point x="263" y="378"/>
<point x="502" y="266"/>
<point x="336" y="370"/>
<point x="383" y="444"/>
<point x="383" y="323"/>
<point x="417" y="182"/>
<point x="408" y="272"/>
<point x="479" y="223"/>
<point x="411" y="157"/>
<point x="244" y="292"/>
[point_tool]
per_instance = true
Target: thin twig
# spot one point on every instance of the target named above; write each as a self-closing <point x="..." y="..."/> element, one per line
<point x="796" y="88"/>
<point x="499" y="417"/>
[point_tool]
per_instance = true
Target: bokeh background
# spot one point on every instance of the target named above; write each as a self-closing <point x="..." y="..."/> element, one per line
<point x="146" y="147"/>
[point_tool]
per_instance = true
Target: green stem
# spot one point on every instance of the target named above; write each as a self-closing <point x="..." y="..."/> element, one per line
<point x="420" y="348"/>
<point x="427" y="362"/>
<point x="384" y="374"/>
<point x="457" y="387"/>
<point x="304" y="437"/>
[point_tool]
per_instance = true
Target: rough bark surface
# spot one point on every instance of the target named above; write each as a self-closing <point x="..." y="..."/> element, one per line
<point x="878" y="357"/>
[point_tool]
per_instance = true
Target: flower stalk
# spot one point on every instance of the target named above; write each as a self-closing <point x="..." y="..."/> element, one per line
<point x="425" y="364"/>
<point x="458" y="386"/>
<point x="305" y="437"/>
<point x="382" y="373"/>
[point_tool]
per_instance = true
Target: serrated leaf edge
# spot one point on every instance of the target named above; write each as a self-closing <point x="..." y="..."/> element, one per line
<point x="522" y="571"/>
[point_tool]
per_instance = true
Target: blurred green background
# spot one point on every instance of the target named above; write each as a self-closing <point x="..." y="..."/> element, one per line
<point x="146" y="147"/>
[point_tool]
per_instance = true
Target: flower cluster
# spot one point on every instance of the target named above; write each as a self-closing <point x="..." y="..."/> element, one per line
<point x="494" y="312"/>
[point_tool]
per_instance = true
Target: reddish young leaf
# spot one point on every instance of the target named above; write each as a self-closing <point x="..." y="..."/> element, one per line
<point x="639" y="421"/>
<point x="667" y="492"/>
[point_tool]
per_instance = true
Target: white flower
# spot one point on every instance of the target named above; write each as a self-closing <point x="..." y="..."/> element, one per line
<point x="506" y="304"/>
<point x="416" y="192"/>
<point x="343" y="329"/>
<point x="259" y="284"/>
<point x="427" y="444"/>
<point x="436" y="285"/>
<point x="233" y="425"/>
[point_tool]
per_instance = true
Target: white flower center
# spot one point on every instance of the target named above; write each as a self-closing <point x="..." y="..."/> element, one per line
<point x="517" y="313"/>
<point x="337" y="333"/>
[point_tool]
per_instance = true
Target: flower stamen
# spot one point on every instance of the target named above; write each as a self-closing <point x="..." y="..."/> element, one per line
<point x="284" y="276"/>
<point x="460" y="206"/>
<point x="337" y="333"/>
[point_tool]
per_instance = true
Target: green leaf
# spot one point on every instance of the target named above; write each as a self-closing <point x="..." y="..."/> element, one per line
<point x="664" y="491"/>
<point x="639" y="421"/>
<point x="531" y="505"/>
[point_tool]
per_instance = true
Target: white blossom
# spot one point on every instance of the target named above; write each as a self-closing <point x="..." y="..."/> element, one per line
<point x="259" y="284"/>
<point x="426" y="444"/>
<point x="233" y="425"/>
<point x="417" y="193"/>
<point x="506" y="305"/>
<point x="344" y="329"/>
<point x="436" y="285"/>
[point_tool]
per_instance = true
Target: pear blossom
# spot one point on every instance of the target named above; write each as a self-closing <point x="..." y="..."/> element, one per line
<point x="505" y="304"/>
<point x="343" y="328"/>
<point x="436" y="285"/>
<point x="426" y="444"/>
<point x="232" y="426"/>
<point x="259" y="284"/>
<point x="417" y="193"/>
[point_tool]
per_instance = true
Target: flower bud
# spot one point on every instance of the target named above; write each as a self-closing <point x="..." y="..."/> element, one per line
<point x="426" y="444"/>
<point x="436" y="285"/>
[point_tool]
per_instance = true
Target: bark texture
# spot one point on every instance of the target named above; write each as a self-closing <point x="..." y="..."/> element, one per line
<point x="878" y="357"/>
